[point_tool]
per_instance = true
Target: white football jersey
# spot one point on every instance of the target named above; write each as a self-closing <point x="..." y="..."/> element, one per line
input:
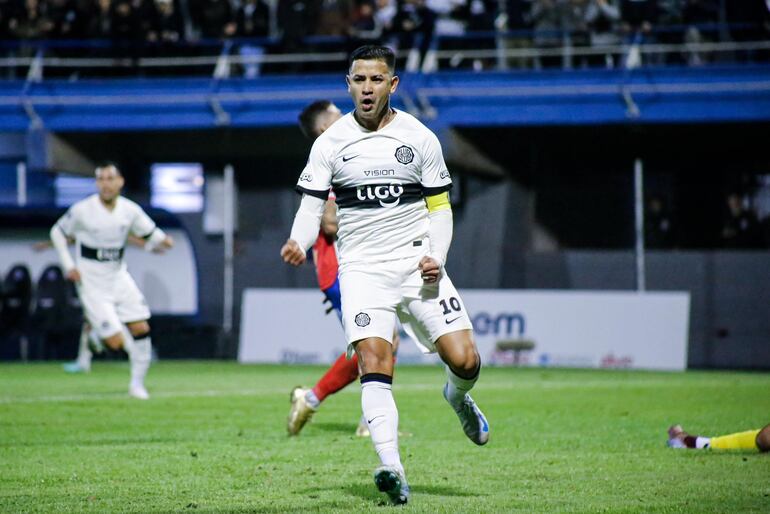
<point x="380" y="179"/>
<point x="100" y="234"/>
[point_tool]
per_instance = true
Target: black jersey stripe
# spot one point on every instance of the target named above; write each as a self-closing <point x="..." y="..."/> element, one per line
<point x="433" y="191"/>
<point x="150" y="233"/>
<point x="323" y="195"/>
<point x="377" y="195"/>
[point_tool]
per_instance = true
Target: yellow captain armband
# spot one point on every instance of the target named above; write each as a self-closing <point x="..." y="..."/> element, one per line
<point x="438" y="202"/>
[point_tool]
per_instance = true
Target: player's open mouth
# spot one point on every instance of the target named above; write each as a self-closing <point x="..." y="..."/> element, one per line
<point x="367" y="104"/>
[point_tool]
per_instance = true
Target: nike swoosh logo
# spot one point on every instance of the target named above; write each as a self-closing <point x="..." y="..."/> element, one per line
<point x="370" y="420"/>
<point x="346" y="159"/>
<point x="448" y="321"/>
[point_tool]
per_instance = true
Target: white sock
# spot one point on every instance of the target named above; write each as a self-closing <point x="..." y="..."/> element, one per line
<point x="312" y="399"/>
<point x="382" y="417"/>
<point x="139" y="354"/>
<point x="84" y="353"/>
<point x="457" y="387"/>
<point x="702" y="442"/>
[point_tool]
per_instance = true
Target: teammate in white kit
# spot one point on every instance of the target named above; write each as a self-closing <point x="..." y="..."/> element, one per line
<point x="100" y="225"/>
<point x="395" y="228"/>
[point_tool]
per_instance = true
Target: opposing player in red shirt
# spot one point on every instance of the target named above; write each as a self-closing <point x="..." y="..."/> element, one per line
<point x="314" y="120"/>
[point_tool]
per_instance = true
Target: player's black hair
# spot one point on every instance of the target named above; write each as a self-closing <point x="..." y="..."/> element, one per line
<point x="379" y="52"/>
<point x="106" y="164"/>
<point x="308" y="118"/>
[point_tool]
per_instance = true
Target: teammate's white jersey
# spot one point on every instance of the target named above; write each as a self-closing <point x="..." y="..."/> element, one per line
<point x="380" y="178"/>
<point x="100" y="234"/>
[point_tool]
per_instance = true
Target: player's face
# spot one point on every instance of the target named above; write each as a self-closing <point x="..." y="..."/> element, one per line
<point x="370" y="84"/>
<point x="109" y="183"/>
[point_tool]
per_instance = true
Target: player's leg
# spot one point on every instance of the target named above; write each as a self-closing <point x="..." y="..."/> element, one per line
<point x="375" y="356"/>
<point x="369" y="318"/>
<point x="133" y="311"/>
<point x="463" y="367"/>
<point x="436" y="317"/>
<point x="305" y="402"/>
<point x="363" y="427"/>
<point x="82" y="364"/>
<point x="763" y="439"/>
<point x="747" y="440"/>
<point x="140" y="354"/>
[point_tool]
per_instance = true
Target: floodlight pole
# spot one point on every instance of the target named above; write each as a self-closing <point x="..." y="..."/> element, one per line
<point x="21" y="184"/>
<point x="228" y="239"/>
<point x="639" y="219"/>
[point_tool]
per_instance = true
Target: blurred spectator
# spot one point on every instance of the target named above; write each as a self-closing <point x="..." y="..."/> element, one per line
<point x="413" y="26"/>
<point x="384" y="12"/>
<point x="297" y="19"/>
<point x="696" y="14"/>
<point x="31" y="21"/>
<point x="638" y="18"/>
<point x="602" y="17"/>
<point x="335" y="17"/>
<point x="69" y="22"/>
<point x="99" y="25"/>
<point x="214" y="18"/>
<point x="167" y="25"/>
<point x="740" y="227"/>
<point x="366" y="27"/>
<point x="658" y="227"/>
<point x="252" y="21"/>
<point x="576" y="29"/>
<point x="748" y="20"/>
<point x="515" y="21"/>
<point x="546" y="18"/>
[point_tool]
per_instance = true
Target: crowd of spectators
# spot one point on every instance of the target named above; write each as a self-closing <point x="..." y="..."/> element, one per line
<point x="286" y="26"/>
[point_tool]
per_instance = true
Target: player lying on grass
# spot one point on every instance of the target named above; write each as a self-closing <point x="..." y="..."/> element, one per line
<point x="749" y="440"/>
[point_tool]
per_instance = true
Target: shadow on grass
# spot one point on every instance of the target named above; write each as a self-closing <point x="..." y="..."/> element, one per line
<point x="370" y="492"/>
<point x="336" y="428"/>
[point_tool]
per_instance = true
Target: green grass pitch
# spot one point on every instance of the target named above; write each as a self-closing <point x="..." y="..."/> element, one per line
<point x="212" y="439"/>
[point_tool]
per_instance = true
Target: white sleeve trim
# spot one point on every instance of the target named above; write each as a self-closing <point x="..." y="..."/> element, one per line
<point x="440" y="234"/>
<point x="307" y="221"/>
<point x="59" y="241"/>
<point x="156" y="238"/>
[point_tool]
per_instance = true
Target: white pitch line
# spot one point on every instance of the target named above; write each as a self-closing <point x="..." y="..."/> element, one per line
<point x="211" y="393"/>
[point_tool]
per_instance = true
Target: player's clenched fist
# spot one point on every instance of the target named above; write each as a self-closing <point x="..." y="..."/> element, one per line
<point x="430" y="269"/>
<point x="292" y="253"/>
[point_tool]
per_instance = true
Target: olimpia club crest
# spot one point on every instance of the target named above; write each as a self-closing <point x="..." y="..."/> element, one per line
<point x="362" y="319"/>
<point x="404" y="154"/>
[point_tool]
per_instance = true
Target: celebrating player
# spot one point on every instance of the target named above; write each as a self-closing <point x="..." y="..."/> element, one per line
<point x="314" y="120"/>
<point x="395" y="228"/>
<point x="100" y="225"/>
<point x="758" y="439"/>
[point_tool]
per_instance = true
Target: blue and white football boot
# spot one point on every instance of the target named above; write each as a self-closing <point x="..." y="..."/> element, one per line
<point x="474" y="423"/>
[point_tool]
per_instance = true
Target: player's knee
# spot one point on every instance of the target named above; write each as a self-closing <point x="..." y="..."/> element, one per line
<point x="139" y="330"/>
<point x="469" y="364"/>
<point x="114" y="342"/>
<point x="763" y="439"/>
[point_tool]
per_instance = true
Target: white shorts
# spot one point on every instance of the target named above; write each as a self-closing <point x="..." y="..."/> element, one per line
<point x="375" y="294"/>
<point x="108" y="304"/>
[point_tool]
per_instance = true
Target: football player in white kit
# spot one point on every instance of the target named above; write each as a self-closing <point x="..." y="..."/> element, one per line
<point x="395" y="228"/>
<point x="100" y="225"/>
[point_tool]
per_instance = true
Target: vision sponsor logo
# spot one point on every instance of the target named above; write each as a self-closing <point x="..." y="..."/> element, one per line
<point x="388" y="195"/>
<point x="380" y="173"/>
<point x="306" y="177"/>
<point x="444" y="174"/>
